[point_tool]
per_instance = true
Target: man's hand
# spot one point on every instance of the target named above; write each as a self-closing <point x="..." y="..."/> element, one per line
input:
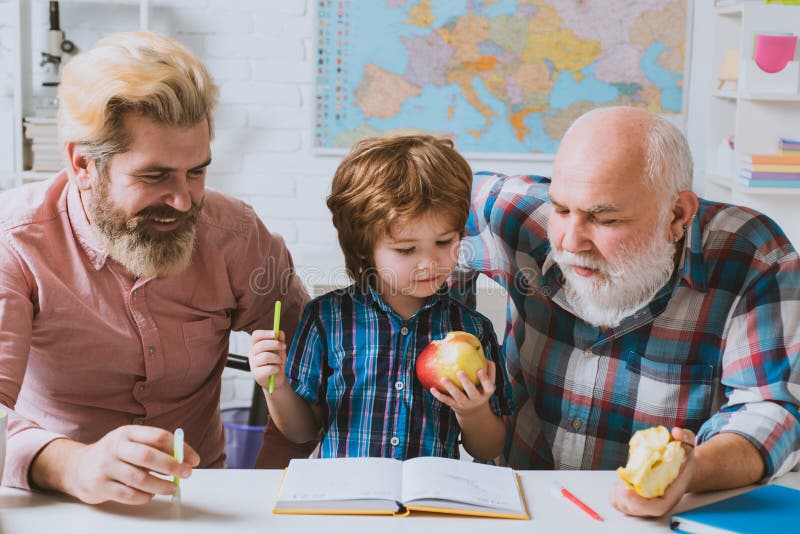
<point x="115" y="468"/>
<point x="629" y="502"/>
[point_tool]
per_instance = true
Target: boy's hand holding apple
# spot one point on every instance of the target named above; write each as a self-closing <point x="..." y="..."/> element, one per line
<point x="457" y="374"/>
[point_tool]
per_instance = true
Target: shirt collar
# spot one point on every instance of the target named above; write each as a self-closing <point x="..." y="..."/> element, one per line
<point x="694" y="265"/>
<point x="552" y="279"/>
<point x="83" y="231"/>
<point x="367" y="295"/>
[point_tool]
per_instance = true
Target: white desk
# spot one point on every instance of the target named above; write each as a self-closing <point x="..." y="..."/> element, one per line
<point x="240" y="502"/>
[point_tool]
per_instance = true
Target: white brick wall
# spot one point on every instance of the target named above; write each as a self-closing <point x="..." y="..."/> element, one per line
<point x="7" y="62"/>
<point x="260" y="53"/>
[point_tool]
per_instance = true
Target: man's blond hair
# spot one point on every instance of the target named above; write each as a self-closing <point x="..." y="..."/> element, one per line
<point x="141" y="73"/>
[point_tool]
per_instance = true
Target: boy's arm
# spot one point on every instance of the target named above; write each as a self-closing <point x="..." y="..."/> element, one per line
<point x="296" y="418"/>
<point x="482" y="431"/>
<point x="483" y="434"/>
<point x="290" y="412"/>
<point x="293" y="404"/>
<point x="484" y="437"/>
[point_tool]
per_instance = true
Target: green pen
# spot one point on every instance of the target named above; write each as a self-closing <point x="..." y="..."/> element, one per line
<point x="277" y="328"/>
<point x="177" y="452"/>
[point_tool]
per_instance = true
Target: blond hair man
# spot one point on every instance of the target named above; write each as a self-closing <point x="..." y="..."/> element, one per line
<point x="121" y="279"/>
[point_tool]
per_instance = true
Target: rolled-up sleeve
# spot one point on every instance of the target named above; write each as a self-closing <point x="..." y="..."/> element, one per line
<point x="508" y="216"/>
<point x="25" y="437"/>
<point x="761" y="366"/>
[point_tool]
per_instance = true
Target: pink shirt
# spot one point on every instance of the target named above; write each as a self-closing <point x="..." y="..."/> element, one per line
<point x="85" y="347"/>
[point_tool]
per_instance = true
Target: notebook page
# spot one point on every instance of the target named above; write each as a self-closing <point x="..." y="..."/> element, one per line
<point x="341" y="479"/>
<point x="460" y="481"/>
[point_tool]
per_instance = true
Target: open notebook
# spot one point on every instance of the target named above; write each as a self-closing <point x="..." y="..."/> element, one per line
<point x="393" y="487"/>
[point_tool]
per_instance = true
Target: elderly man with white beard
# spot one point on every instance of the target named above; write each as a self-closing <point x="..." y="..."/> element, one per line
<point x="632" y="303"/>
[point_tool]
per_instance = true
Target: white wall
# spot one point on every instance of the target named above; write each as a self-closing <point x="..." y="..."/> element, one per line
<point x="7" y="34"/>
<point x="700" y="76"/>
<point x="260" y="53"/>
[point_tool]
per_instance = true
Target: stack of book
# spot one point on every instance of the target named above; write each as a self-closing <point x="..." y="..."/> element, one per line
<point x="771" y="170"/>
<point x="43" y="134"/>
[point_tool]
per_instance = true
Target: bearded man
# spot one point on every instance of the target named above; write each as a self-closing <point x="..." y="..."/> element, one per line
<point x="632" y="303"/>
<point x="121" y="280"/>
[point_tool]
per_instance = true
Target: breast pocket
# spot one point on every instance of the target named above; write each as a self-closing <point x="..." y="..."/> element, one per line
<point x="207" y="347"/>
<point x="670" y="394"/>
<point x="361" y="370"/>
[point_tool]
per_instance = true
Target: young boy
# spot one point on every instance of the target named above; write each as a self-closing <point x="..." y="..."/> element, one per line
<point x="400" y="206"/>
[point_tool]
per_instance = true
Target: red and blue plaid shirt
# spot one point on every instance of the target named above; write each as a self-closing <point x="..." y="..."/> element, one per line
<point x="716" y="350"/>
<point x="355" y="355"/>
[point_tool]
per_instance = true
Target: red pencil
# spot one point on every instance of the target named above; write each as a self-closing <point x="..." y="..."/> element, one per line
<point x="579" y="503"/>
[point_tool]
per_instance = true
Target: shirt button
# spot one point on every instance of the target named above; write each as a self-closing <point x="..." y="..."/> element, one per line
<point x="576" y="424"/>
<point x="151" y="350"/>
<point x="404" y="331"/>
<point x="133" y="293"/>
<point x="140" y="388"/>
<point x="399" y="385"/>
<point x="395" y="441"/>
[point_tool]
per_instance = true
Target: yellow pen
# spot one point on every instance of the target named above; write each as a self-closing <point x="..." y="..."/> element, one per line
<point x="276" y="326"/>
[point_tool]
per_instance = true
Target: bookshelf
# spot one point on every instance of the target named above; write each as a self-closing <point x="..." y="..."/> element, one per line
<point x="753" y="119"/>
<point x="28" y="40"/>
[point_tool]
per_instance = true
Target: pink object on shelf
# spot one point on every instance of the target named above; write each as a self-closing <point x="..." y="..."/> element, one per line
<point x="772" y="52"/>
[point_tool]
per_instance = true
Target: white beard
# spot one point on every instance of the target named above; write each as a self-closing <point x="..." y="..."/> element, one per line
<point x="619" y="289"/>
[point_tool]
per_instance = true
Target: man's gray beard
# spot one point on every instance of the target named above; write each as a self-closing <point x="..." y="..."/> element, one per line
<point x="622" y="288"/>
<point x="129" y="240"/>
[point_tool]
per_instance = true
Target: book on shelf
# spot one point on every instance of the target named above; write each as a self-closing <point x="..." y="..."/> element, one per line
<point x="747" y="182"/>
<point x="41" y="131"/>
<point x="40" y="127"/>
<point x="384" y="486"/>
<point x="783" y="158"/>
<point x="789" y="146"/>
<point x="768" y="167"/>
<point x="757" y="175"/>
<point x="47" y="166"/>
<point x="45" y="150"/>
<point x="728" y="80"/>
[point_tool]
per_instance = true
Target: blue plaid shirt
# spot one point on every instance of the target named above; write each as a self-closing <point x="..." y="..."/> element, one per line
<point x="354" y="355"/>
<point x="716" y="350"/>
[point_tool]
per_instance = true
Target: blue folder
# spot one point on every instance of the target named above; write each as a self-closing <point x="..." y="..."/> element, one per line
<point x="769" y="508"/>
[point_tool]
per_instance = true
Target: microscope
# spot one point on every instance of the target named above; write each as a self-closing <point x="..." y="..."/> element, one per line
<point x="56" y="43"/>
<point x="46" y="100"/>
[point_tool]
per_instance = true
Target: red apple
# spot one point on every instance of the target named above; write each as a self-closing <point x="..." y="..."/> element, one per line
<point x="458" y="351"/>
